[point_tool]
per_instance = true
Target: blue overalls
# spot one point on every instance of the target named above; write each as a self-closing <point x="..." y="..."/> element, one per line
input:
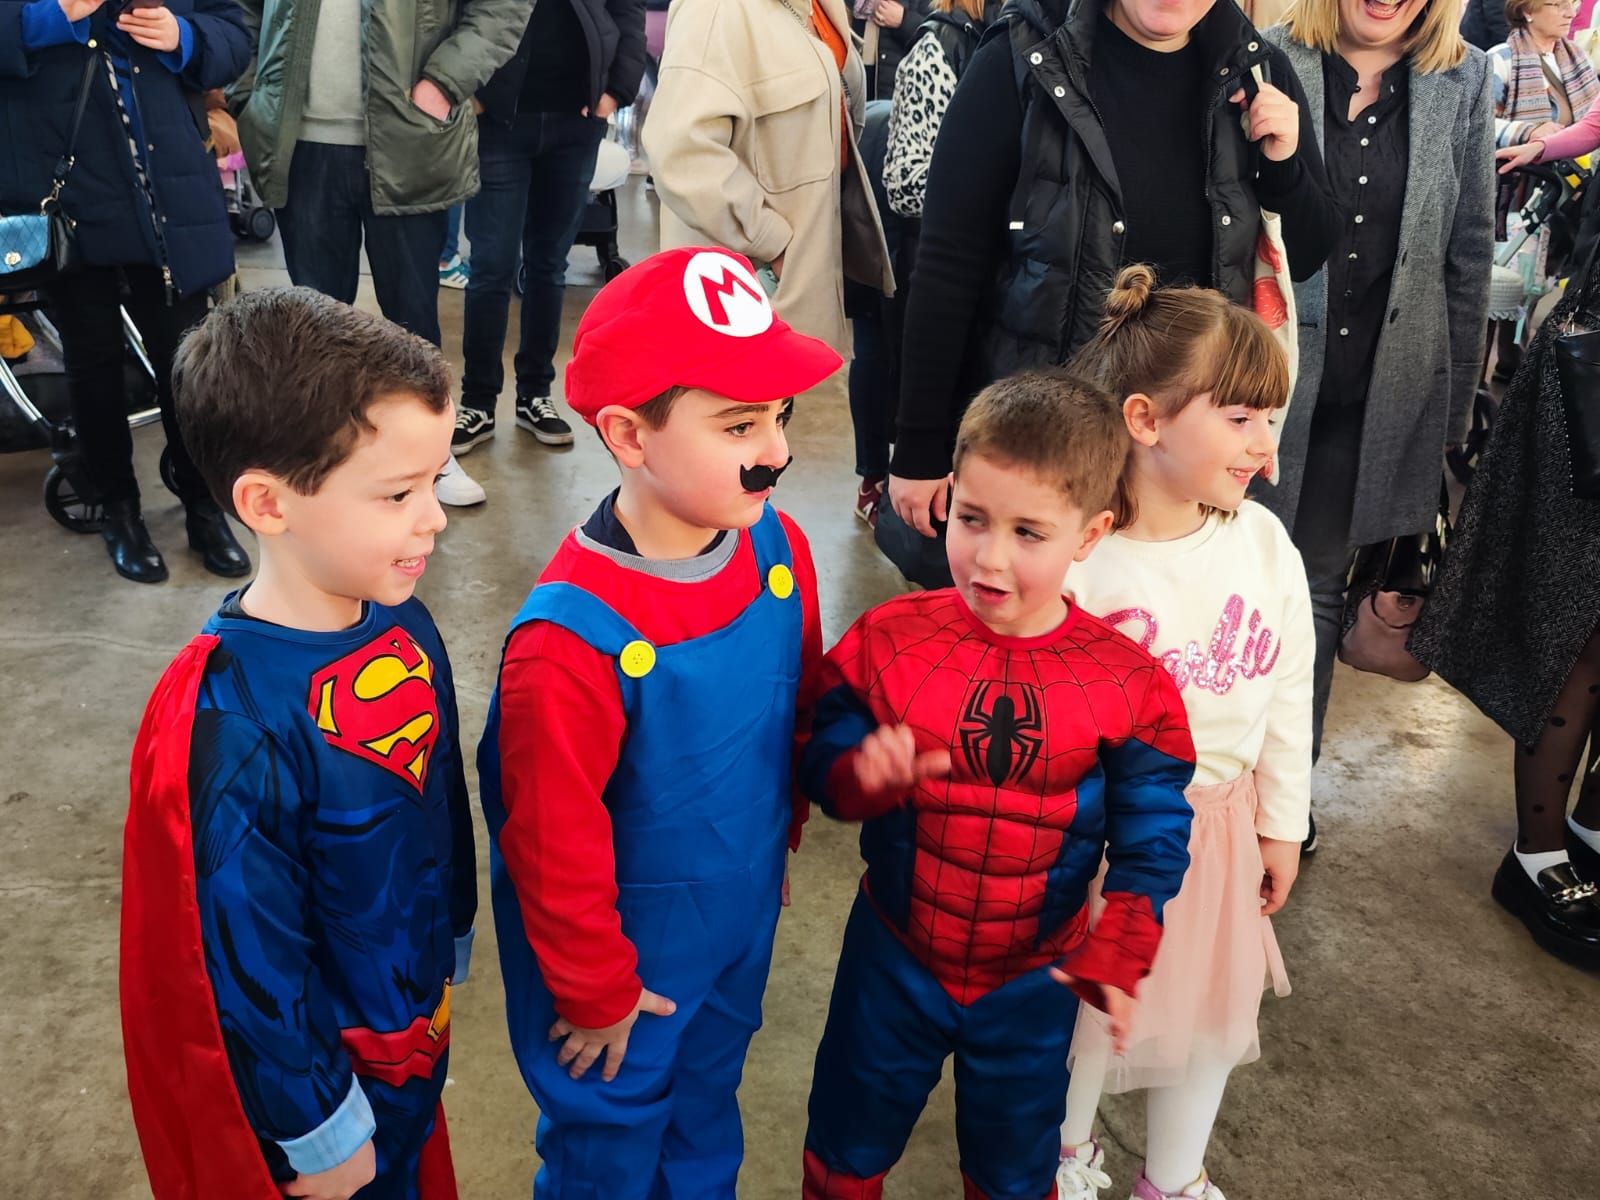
<point x="700" y="804"/>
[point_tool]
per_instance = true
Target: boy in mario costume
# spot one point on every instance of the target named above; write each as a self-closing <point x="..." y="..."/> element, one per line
<point x="636" y="765"/>
<point x="298" y="873"/>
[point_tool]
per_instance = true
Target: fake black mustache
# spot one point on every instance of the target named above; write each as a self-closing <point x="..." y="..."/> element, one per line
<point x="759" y="479"/>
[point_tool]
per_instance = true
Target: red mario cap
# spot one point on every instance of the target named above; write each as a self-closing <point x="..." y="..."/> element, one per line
<point x="695" y="318"/>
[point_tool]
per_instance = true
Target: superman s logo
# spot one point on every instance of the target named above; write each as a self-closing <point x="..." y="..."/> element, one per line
<point x="378" y="703"/>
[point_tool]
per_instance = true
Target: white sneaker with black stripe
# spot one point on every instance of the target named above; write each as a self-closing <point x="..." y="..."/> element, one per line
<point x="538" y="415"/>
<point x="473" y="428"/>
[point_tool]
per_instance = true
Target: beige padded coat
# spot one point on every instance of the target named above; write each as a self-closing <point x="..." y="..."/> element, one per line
<point x="744" y="143"/>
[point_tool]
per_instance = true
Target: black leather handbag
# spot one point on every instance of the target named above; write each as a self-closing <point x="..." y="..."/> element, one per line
<point x="35" y="247"/>
<point x="1578" y="368"/>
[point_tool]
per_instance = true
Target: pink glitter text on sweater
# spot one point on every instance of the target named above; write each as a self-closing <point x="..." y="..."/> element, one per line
<point x="1218" y="667"/>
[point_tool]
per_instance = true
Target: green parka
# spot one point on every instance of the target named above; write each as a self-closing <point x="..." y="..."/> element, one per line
<point x="416" y="164"/>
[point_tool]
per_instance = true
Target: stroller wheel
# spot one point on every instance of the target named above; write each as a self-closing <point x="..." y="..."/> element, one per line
<point x="63" y="502"/>
<point x="169" y="473"/>
<point x="614" y="267"/>
<point x="260" y="224"/>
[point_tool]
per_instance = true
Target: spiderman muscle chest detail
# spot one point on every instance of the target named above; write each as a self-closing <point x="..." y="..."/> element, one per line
<point x="1025" y="797"/>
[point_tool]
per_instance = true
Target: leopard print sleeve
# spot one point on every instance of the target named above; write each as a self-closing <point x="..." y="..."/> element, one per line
<point x="922" y="90"/>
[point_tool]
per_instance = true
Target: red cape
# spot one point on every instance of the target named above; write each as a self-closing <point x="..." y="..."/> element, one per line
<point x="197" y="1143"/>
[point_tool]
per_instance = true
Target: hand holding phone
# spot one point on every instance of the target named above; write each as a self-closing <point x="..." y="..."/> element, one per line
<point x="151" y="24"/>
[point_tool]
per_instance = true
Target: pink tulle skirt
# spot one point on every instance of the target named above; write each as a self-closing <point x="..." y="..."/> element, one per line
<point x="1202" y="998"/>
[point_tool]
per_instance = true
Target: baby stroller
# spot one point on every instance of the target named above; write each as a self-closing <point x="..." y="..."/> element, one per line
<point x="38" y="415"/>
<point x="1552" y="209"/>
<point x="251" y="220"/>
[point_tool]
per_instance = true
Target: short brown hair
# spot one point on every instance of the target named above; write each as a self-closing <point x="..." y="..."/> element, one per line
<point x="1064" y="428"/>
<point x="280" y="380"/>
<point x="1519" y="12"/>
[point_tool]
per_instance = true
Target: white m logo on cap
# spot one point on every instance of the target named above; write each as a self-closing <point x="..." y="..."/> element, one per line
<point x="724" y="295"/>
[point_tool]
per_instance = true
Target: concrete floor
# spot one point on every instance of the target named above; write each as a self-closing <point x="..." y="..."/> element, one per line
<point x="1429" y="1049"/>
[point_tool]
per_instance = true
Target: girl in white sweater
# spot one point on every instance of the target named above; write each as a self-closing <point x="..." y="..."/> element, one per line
<point x="1209" y="583"/>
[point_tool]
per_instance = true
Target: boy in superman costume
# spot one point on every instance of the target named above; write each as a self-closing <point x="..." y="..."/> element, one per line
<point x="995" y="740"/>
<point x="636" y="766"/>
<point x="298" y="872"/>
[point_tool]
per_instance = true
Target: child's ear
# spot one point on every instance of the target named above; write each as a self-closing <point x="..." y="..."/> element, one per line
<point x="622" y="431"/>
<point x="1139" y="413"/>
<point x="1094" y="529"/>
<point x="256" y="498"/>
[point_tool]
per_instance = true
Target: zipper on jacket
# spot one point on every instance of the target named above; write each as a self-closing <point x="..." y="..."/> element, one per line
<point x="143" y="176"/>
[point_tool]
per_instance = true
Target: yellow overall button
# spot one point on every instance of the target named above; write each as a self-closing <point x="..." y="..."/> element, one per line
<point x="638" y="659"/>
<point x="781" y="580"/>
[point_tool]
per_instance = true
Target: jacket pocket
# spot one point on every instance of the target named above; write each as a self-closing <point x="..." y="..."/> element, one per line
<point x="793" y="130"/>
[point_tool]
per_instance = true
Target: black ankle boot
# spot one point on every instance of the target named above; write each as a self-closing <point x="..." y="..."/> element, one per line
<point x="133" y="554"/>
<point x="210" y="535"/>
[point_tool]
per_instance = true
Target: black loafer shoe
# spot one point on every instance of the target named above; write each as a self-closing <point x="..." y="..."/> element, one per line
<point x="1561" y="909"/>
<point x="1585" y="860"/>
<point x="211" y="536"/>
<point x="128" y="542"/>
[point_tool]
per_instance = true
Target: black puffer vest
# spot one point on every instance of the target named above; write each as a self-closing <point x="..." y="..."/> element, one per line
<point x="1067" y="220"/>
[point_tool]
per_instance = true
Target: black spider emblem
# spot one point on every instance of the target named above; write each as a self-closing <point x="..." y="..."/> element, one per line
<point x="999" y="742"/>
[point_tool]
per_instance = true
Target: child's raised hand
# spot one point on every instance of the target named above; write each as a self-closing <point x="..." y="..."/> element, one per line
<point x="887" y="760"/>
<point x="583" y="1046"/>
<point x="1280" y="862"/>
<point x="336" y="1183"/>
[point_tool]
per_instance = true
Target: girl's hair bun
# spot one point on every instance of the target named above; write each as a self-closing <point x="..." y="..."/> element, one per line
<point x="1130" y="296"/>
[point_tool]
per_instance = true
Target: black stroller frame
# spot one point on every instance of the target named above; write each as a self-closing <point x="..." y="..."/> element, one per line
<point x="69" y="496"/>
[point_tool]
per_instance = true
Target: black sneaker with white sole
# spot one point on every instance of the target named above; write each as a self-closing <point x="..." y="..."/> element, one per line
<point x="538" y="415"/>
<point x="473" y="428"/>
<point x="1309" y="846"/>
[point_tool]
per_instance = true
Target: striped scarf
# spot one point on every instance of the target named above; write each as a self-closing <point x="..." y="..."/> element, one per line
<point x="1528" y="91"/>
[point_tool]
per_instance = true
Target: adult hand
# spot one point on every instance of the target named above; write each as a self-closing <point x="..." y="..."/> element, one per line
<point x="1274" y="121"/>
<point x="1280" y="863"/>
<point x="1543" y="130"/>
<point x="336" y="1183"/>
<point x="887" y="761"/>
<point x="430" y="99"/>
<point x="604" y="108"/>
<point x="152" y="28"/>
<point x="77" y="10"/>
<point x="1512" y="157"/>
<point x="888" y="14"/>
<point x="583" y="1046"/>
<point x="920" y="502"/>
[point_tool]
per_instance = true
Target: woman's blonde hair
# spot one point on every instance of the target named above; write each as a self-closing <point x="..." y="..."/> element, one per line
<point x="973" y="9"/>
<point x="1174" y="344"/>
<point x="1434" y="41"/>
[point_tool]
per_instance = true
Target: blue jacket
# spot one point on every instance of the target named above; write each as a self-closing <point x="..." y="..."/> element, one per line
<point x="183" y="225"/>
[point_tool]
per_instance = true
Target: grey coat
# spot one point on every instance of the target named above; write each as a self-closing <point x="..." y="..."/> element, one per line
<point x="1430" y="355"/>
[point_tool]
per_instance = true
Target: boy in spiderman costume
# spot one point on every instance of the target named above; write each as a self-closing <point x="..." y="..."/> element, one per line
<point x="996" y="741"/>
<point x="298" y="875"/>
<point x="636" y="766"/>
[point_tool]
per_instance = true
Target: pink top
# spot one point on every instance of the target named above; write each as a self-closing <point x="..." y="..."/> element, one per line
<point x="1582" y="136"/>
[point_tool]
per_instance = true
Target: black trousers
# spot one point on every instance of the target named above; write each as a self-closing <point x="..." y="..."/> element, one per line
<point x="84" y="306"/>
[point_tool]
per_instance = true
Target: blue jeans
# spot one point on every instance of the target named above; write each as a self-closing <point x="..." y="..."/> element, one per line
<point x="452" y="234"/>
<point x="330" y="211"/>
<point x="536" y="177"/>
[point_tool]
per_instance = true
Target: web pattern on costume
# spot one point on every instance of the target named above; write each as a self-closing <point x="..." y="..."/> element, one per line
<point x="985" y="873"/>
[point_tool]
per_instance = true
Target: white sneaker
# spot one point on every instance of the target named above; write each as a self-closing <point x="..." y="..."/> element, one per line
<point x="1081" y="1178"/>
<point x="1200" y="1189"/>
<point x="457" y="488"/>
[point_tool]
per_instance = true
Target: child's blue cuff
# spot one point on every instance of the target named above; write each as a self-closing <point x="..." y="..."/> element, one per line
<point x="463" y="957"/>
<point x="176" y="60"/>
<point x="337" y="1138"/>
<point x="44" y="25"/>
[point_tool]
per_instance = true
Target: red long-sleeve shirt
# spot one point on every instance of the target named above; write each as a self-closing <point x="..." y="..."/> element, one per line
<point x="561" y="731"/>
